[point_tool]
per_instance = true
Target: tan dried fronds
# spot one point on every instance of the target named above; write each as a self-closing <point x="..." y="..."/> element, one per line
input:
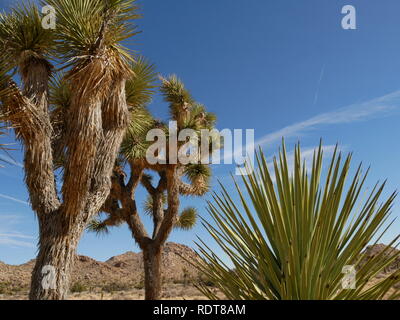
<point x="35" y="72"/>
<point x="115" y="111"/>
<point x="33" y="127"/>
<point x="97" y="104"/>
<point x="83" y="136"/>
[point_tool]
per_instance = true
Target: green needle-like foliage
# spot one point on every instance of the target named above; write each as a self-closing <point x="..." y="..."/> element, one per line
<point x="98" y="227"/>
<point x="187" y="219"/>
<point x="291" y="234"/>
<point x="178" y="97"/>
<point x="135" y="143"/>
<point x="139" y="92"/>
<point x="196" y="171"/>
<point x="60" y="93"/>
<point x="22" y="36"/>
<point x="79" y="22"/>
<point x="141" y="86"/>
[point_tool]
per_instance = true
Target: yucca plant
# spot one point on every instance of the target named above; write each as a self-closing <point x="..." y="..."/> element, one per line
<point x="292" y="233"/>
<point x="78" y="129"/>
<point x="164" y="183"/>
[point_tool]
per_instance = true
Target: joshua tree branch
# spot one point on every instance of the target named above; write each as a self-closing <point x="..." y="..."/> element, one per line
<point x="126" y="195"/>
<point x="173" y="206"/>
<point x="32" y="126"/>
<point x="136" y="169"/>
<point x="146" y="183"/>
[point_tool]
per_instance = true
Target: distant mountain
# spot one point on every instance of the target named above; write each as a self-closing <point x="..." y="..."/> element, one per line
<point x="120" y="272"/>
<point x="125" y="272"/>
<point x="373" y="251"/>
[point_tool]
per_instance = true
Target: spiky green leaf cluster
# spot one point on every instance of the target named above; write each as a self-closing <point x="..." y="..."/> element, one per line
<point x="60" y="93"/>
<point x="196" y="171"/>
<point x="22" y="35"/>
<point x="187" y="219"/>
<point x="291" y="234"/>
<point x="97" y="227"/>
<point x="183" y="108"/>
<point x="175" y="93"/>
<point x="135" y="144"/>
<point x="140" y="87"/>
<point x="139" y="92"/>
<point x="79" y="23"/>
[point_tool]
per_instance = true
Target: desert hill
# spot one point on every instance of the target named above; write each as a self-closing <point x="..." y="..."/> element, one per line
<point x="121" y="272"/>
<point x="121" y="277"/>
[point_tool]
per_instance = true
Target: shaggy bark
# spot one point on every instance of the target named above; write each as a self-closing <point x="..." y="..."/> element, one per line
<point x="171" y="215"/>
<point x="60" y="231"/>
<point x="152" y="258"/>
<point x="32" y="125"/>
<point x="58" y="242"/>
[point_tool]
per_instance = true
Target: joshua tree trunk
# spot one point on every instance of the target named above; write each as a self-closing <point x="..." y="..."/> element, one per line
<point x="152" y="259"/>
<point x="163" y="223"/>
<point x="58" y="242"/>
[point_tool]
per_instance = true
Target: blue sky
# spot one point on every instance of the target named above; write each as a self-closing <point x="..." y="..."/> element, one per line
<point x="281" y="67"/>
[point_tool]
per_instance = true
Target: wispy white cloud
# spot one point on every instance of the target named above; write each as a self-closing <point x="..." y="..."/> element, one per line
<point x="14" y="199"/>
<point x="379" y="107"/>
<point x="307" y="155"/>
<point x="376" y="108"/>
<point x="321" y="76"/>
<point x="10" y="237"/>
<point x="17" y="239"/>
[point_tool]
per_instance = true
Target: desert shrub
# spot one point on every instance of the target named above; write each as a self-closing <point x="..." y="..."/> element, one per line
<point x="78" y="287"/>
<point x="4" y="288"/>
<point x="115" y="287"/>
<point x="139" y="285"/>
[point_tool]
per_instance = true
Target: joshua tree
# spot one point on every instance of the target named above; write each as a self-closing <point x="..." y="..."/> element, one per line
<point x="294" y="237"/>
<point x="86" y="137"/>
<point x="163" y="202"/>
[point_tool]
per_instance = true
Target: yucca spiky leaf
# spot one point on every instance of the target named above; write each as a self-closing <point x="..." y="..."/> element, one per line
<point x="140" y="87"/>
<point x="187" y="219"/>
<point x="79" y="23"/>
<point x="22" y="36"/>
<point x="60" y="93"/>
<point x="198" y="171"/>
<point x="290" y="235"/>
<point x="135" y="144"/>
<point x="97" y="227"/>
